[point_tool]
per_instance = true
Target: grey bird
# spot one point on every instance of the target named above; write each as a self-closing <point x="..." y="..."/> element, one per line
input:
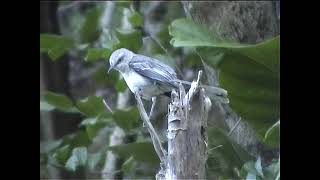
<point x="150" y="77"/>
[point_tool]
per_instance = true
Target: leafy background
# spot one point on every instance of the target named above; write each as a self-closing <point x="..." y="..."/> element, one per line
<point x="81" y="43"/>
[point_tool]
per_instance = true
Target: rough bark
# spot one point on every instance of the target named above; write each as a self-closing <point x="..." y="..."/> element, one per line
<point x="249" y="22"/>
<point x="187" y="135"/>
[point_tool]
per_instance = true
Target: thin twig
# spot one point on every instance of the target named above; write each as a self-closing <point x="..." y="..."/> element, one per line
<point x="107" y="106"/>
<point x="154" y="101"/>
<point x="215" y="148"/>
<point x="154" y="136"/>
<point x="234" y="127"/>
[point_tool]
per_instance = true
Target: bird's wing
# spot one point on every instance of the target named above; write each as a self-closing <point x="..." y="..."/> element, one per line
<point x="153" y="69"/>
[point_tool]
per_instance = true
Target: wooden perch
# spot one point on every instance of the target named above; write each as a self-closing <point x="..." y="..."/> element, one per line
<point x="187" y="134"/>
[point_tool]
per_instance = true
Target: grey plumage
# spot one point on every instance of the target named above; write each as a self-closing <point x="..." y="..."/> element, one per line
<point x="151" y="77"/>
<point x="155" y="70"/>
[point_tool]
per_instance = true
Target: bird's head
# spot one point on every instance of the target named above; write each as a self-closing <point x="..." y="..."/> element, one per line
<point x="119" y="59"/>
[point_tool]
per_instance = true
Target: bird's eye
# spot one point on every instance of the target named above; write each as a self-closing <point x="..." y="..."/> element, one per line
<point x="120" y="59"/>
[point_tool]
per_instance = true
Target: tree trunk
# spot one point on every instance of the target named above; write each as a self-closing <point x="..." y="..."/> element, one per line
<point x="187" y="135"/>
<point x="245" y="22"/>
<point x="187" y="144"/>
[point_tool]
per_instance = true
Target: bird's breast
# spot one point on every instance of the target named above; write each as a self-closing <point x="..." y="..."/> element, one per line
<point x="137" y="83"/>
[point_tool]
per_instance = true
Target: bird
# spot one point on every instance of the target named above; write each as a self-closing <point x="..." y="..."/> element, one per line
<point x="150" y="77"/>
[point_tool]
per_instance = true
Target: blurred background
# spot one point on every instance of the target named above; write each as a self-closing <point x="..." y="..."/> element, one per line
<point x="81" y="139"/>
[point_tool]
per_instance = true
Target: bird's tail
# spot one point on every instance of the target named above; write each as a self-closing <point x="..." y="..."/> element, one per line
<point x="215" y="93"/>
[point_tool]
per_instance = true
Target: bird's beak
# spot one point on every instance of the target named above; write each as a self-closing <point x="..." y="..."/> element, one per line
<point x="110" y="69"/>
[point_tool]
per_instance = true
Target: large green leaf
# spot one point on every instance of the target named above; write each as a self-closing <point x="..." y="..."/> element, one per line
<point x="53" y="100"/>
<point x="92" y="106"/>
<point x="44" y="106"/>
<point x="141" y="151"/>
<point x="78" y="158"/>
<point x="90" y="29"/>
<point x="121" y="85"/>
<point x="94" y="124"/>
<point x="128" y="165"/>
<point x="224" y="155"/>
<point x="187" y="33"/>
<point x="108" y="39"/>
<point x="136" y="19"/>
<point x="272" y="136"/>
<point x="94" y="54"/>
<point x="80" y="138"/>
<point x="258" y="167"/>
<point x="250" y="73"/>
<point x="102" y="77"/>
<point x="49" y="146"/>
<point x="127" y="119"/>
<point x="129" y="38"/>
<point x="254" y="169"/>
<point x="273" y="170"/>
<point x="94" y="160"/>
<point x="55" y="45"/>
<point x="62" y="154"/>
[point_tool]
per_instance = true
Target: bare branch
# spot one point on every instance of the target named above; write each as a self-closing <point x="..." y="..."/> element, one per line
<point x="154" y="136"/>
<point x="107" y="106"/>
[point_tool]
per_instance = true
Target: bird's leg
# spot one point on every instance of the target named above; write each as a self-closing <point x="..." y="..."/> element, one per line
<point x="140" y="95"/>
<point x="154" y="100"/>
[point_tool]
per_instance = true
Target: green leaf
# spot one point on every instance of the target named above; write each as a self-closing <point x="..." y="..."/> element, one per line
<point x="103" y="78"/>
<point x="94" y="160"/>
<point x="273" y="170"/>
<point x="141" y="151"/>
<point x="94" y="124"/>
<point x="80" y="138"/>
<point x="92" y="106"/>
<point x="136" y="19"/>
<point x="108" y="39"/>
<point x="223" y="154"/>
<point x="90" y="29"/>
<point x="272" y="136"/>
<point x="124" y="4"/>
<point x="127" y="119"/>
<point x="250" y="73"/>
<point x="249" y="171"/>
<point x="101" y="119"/>
<point x="59" y="101"/>
<point x="62" y="154"/>
<point x="92" y="130"/>
<point x="128" y="165"/>
<point x="121" y="85"/>
<point x="94" y="54"/>
<point x="55" y="45"/>
<point x="251" y="176"/>
<point x="78" y="158"/>
<point x="258" y="167"/>
<point x="44" y="106"/>
<point x="47" y="147"/>
<point x="129" y="38"/>
<point x="187" y="33"/>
